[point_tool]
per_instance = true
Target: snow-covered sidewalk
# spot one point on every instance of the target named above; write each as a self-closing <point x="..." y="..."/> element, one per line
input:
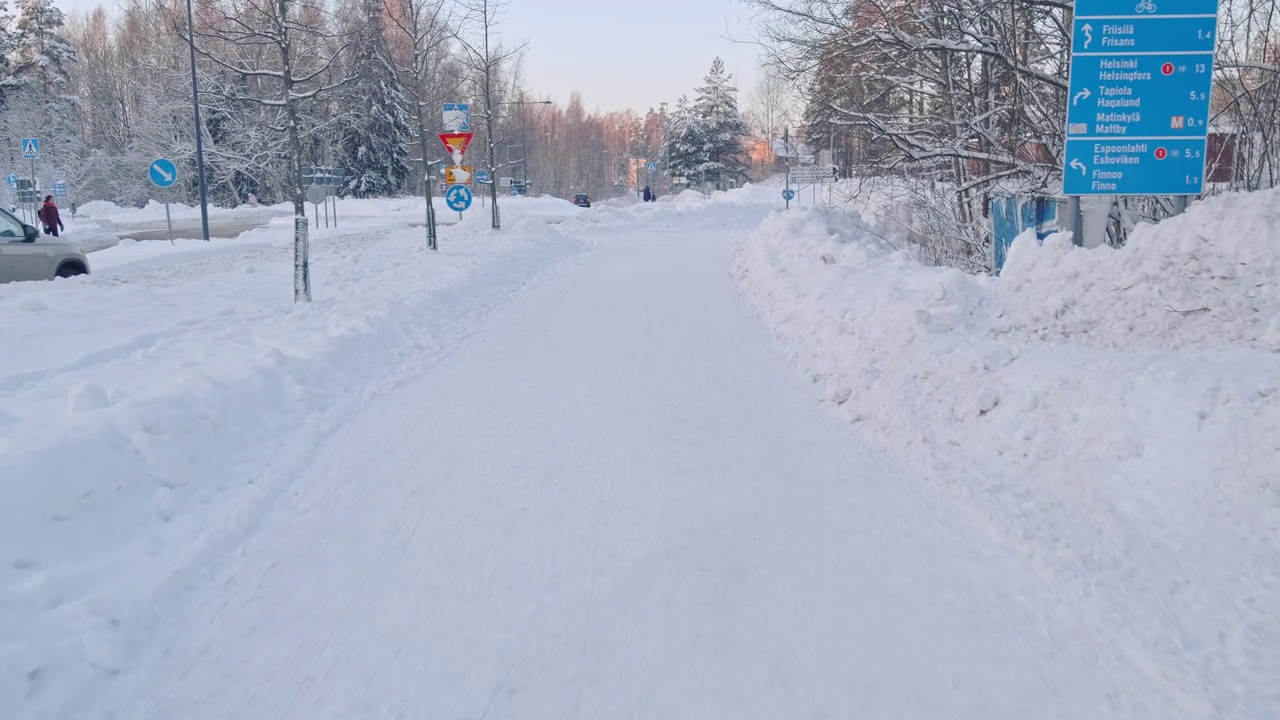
<point x="151" y="412"/>
<point x="616" y="501"/>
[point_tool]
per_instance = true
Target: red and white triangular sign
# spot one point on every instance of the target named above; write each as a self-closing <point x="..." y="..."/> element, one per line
<point x="457" y="143"/>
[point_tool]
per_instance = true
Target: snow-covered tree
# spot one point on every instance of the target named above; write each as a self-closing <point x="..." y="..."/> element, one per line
<point x="40" y="54"/>
<point x="375" y="137"/>
<point x="722" y="128"/>
<point x="685" y="150"/>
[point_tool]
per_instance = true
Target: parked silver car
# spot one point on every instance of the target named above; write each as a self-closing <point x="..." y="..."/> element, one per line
<point x="25" y="254"/>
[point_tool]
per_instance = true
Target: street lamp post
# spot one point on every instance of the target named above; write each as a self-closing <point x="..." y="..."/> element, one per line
<point x="524" y="140"/>
<point x="195" y="105"/>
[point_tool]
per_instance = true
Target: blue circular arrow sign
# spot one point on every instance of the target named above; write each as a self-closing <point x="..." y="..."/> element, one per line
<point x="483" y="177"/>
<point x="788" y="195"/>
<point x="163" y="172"/>
<point x="13" y="181"/>
<point x="458" y="197"/>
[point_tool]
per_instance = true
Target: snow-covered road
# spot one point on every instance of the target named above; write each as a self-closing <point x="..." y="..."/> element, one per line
<point x="617" y="500"/>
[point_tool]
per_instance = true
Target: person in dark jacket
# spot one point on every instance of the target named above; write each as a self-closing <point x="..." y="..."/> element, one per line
<point x="648" y="194"/>
<point x="50" y="218"/>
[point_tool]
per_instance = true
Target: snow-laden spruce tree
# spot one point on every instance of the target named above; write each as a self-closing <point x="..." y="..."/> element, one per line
<point x="723" y="129"/>
<point x="39" y="100"/>
<point x="685" y="149"/>
<point x="375" y="138"/>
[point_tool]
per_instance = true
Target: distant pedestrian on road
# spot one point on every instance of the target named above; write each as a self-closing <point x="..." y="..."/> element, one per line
<point x="648" y="194"/>
<point x="50" y="218"/>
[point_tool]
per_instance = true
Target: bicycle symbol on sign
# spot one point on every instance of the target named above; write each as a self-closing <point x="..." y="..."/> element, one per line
<point x="1145" y="6"/>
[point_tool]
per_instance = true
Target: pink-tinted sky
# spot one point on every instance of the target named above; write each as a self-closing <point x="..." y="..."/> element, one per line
<point x="618" y="53"/>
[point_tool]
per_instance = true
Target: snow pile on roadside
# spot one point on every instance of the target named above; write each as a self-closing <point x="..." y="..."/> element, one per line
<point x="148" y="415"/>
<point x="1082" y="406"/>
<point x="1206" y="279"/>
<point x="91" y="237"/>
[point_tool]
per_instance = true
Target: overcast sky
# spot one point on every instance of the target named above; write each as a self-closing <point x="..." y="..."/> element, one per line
<point x="618" y="53"/>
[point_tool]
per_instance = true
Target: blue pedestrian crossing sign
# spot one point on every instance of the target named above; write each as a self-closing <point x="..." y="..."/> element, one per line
<point x="653" y="167"/>
<point x="1138" y="103"/>
<point x="31" y="148"/>
<point x="483" y="177"/>
<point x="788" y="194"/>
<point x="458" y="197"/>
<point x="163" y="172"/>
<point x="12" y="180"/>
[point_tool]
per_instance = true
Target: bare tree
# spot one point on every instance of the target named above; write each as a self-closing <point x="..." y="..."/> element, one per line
<point x="281" y="54"/>
<point x="487" y="57"/>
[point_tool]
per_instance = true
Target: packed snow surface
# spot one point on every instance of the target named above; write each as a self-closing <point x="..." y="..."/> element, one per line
<point x="559" y="471"/>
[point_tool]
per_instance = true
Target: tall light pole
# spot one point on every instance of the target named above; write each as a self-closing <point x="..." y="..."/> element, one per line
<point x="195" y="105"/>
<point x="524" y="139"/>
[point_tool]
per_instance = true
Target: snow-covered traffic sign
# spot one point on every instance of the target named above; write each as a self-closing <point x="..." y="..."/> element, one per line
<point x="483" y="177"/>
<point x="457" y="117"/>
<point x="60" y="188"/>
<point x="163" y="172"/>
<point x="457" y="143"/>
<point x="31" y="148"/>
<point x="788" y="194"/>
<point x="460" y="175"/>
<point x="13" y="181"/>
<point x="458" y="197"/>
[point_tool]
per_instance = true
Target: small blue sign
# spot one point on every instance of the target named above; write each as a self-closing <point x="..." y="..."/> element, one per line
<point x="458" y="197"/>
<point x="31" y="148"/>
<point x="1138" y="102"/>
<point x="483" y="177"/>
<point x="163" y="172"/>
<point x="1147" y="8"/>
<point x="788" y="194"/>
<point x="12" y="180"/>
<point x="653" y="168"/>
<point x="60" y="188"/>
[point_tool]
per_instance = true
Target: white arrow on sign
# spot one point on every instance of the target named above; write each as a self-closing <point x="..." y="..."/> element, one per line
<point x="1088" y="35"/>
<point x="1082" y="95"/>
<point x="1077" y="165"/>
<point x="160" y="171"/>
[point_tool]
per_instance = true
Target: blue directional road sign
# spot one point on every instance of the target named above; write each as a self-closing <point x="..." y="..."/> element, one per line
<point x="788" y="194"/>
<point x="31" y="148"/>
<point x="163" y="172"/>
<point x="1138" y="105"/>
<point x="12" y="180"/>
<point x="60" y="188"/>
<point x="483" y="177"/>
<point x="458" y="197"/>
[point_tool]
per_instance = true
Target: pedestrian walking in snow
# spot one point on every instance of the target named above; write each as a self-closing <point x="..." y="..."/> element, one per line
<point x="49" y="217"/>
<point x="648" y="194"/>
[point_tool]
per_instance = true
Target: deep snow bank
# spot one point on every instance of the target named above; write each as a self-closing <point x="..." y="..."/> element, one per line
<point x="150" y="414"/>
<point x="1114" y="414"/>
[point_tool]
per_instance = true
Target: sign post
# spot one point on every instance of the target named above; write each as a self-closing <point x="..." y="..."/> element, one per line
<point x="1138" y="102"/>
<point x="164" y="173"/>
<point x="432" y="243"/>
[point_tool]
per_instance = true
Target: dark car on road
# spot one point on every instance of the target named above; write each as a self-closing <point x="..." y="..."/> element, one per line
<point x="582" y="200"/>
